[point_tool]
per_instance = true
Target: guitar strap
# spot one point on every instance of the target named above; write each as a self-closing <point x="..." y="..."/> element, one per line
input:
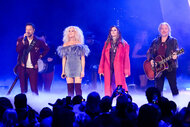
<point x="25" y="53"/>
<point x="27" y="50"/>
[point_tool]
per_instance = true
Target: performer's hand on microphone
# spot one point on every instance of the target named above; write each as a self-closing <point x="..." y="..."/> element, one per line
<point x="25" y="38"/>
<point x="63" y="75"/>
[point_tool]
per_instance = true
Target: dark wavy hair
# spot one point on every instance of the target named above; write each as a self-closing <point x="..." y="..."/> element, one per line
<point x="109" y="38"/>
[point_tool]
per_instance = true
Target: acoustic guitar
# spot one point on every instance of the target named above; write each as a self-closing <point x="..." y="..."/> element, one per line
<point x="161" y="65"/>
<point x="15" y="70"/>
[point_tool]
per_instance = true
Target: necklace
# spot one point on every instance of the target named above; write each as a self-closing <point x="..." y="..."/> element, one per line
<point x="114" y="47"/>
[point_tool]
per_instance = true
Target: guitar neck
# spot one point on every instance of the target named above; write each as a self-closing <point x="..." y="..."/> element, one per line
<point x="181" y="51"/>
<point x="166" y="59"/>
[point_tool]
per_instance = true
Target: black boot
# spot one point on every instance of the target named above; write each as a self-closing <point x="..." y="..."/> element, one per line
<point x="78" y="89"/>
<point x="70" y="88"/>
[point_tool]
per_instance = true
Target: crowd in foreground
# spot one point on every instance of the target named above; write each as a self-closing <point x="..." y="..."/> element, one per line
<point x="96" y="112"/>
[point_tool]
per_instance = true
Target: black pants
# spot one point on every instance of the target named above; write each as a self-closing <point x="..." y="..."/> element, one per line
<point x="171" y="76"/>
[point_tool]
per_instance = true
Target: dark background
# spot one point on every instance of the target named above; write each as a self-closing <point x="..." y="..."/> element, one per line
<point x="95" y="16"/>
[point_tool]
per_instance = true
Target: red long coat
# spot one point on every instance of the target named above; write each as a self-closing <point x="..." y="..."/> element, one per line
<point x="121" y="66"/>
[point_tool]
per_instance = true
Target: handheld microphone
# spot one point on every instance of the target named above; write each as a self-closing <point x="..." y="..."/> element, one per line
<point x="25" y="38"/>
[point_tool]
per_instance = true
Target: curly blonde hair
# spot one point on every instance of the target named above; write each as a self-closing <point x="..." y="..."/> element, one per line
<point x="78" y="36"/>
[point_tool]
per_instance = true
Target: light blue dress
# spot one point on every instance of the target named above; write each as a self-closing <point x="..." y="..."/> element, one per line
<point x="73" y="55"/>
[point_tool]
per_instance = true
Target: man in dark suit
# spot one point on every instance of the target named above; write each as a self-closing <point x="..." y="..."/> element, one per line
<point x="29" y="48"/>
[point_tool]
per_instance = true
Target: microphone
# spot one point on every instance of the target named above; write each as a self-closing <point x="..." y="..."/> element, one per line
<point x="25" y="38"/>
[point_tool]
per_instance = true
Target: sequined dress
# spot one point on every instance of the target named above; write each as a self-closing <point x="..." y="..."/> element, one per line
<point x="73" y="55"/>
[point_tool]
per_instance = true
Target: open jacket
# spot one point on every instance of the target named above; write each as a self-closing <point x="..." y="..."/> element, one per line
<point x="172" y="46"/>
<point x="121" y="65"/>
<point x="40" y="48"/>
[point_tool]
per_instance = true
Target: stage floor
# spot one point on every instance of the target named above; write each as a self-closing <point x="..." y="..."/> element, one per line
<point x="59" y="90"/>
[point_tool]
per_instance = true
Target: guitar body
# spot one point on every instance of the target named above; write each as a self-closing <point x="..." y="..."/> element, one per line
<point x="15" y="69"/>
<point x="149" y="70"/>
<point x="160" y="67"/>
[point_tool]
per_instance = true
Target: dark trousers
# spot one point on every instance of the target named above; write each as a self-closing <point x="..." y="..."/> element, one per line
<point x="72" y="86"/>
<point x="24" y="75"/>
<point x="171" y="76"/>
<point x="112" y="83"/>
<point x="45" y="80"/>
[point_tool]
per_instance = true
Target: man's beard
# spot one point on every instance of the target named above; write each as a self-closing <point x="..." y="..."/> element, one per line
<point x="30" y="35"/>
<point x="165" y="35"/>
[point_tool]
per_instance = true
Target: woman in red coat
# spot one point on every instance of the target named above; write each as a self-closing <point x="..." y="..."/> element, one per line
<point x="114" y="63"/>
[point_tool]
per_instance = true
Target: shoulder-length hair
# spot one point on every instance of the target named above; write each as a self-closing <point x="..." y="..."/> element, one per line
<point x="165" y="23"/>
<point x="78" y="36"/>
<point x="109" y="38"/>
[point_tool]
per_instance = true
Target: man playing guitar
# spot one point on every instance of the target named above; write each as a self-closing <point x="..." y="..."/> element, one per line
<point x="165" y="45"/>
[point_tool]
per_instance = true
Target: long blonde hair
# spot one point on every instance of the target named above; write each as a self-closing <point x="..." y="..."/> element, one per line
<point x="78" y="36"/>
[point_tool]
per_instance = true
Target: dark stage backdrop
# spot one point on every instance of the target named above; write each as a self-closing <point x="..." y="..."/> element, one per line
<point x="92" y="16"/>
